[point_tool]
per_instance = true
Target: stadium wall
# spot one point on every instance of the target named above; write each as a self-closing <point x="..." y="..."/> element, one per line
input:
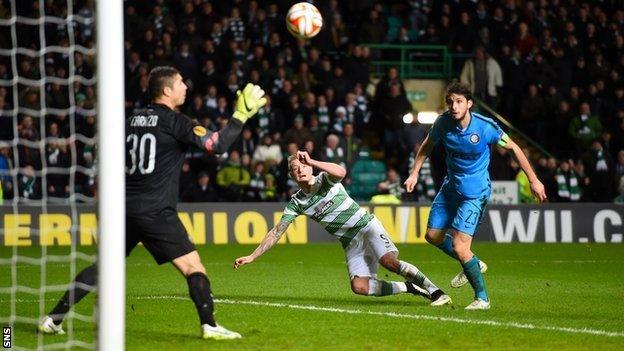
<point x="238" y="223"/>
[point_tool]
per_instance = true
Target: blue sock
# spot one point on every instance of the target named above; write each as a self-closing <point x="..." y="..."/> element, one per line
<point x="447" y="246"/>
<point x="473" y="273"/>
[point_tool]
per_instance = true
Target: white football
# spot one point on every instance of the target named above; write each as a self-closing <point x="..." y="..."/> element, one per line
<point x="304" y="20"/>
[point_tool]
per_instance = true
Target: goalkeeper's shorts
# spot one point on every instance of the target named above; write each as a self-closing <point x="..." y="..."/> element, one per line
<point x="163" y="236"/>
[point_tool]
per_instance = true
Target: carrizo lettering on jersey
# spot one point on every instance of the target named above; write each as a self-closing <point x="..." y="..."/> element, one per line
<point x="144" y="121"/>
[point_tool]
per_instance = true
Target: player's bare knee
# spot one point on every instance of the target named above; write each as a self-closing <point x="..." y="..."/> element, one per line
<point x="188" y="268"/>
<point x="390" y="262"/>
<point x="434" y="238"/>
<point x="459" y="248"/>
<point x="196" y="268"/>
<point x="359" y="286"/>
<point x="462" y="251"/>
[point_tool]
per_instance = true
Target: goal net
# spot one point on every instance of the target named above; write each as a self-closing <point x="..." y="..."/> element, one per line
<point x="48" y="160"/>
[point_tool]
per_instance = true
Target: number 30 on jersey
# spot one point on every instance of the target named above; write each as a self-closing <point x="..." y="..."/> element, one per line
<point x="141" y="148"/>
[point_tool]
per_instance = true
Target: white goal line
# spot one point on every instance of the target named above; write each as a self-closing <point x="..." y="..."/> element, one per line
<point x="492" y="323"/>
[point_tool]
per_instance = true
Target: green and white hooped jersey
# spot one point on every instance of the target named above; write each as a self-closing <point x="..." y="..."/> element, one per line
<point x="329" y="205"/>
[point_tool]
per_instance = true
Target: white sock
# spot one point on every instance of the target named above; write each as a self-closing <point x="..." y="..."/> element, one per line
<point x="412" y="274"/>
<point x="384" y="288"/>
<point x="398" y="287"/>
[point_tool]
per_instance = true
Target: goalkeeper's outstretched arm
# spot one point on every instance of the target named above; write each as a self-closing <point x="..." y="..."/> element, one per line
<point x="269" y="240"/>
<point x="249" y="101"/>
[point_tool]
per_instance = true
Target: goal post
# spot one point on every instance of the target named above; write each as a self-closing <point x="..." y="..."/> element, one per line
<point x="111" y="180"/>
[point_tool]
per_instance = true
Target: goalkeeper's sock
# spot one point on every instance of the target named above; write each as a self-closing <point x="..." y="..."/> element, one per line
<point x="77" y="290"/>
<point x="199" y="289"/>
<point x="447" y="246"/>
<point x="413" y="275"/>
<point x="473" y="273"/>
<point x="384" y="288"/>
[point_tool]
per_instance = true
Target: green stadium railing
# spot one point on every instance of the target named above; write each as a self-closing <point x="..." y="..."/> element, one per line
<point x="412" y="61"/>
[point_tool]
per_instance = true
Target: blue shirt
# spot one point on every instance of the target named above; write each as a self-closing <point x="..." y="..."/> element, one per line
<point x="467" y="152"/>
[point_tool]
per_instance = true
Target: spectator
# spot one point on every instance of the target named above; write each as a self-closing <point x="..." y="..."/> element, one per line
<point x="466" y="34"/>
<point x="484" y="76"/>
<point x="333" y="152"/>
<point x="304" y="79"/>
<point x="201" y="191"/>
<point x="600" y="171"/>
<point x="532" y="111"/>
<point x="353" y="114"/>
<point x="499" y="168"/>
<point x="524" y="42"/>
<point x="323" y="113"/>
<point x="350" y="144"/>
<point x="584" y="128"/>
<point x="357" y="65"/>
<point x="383" y="87"/>
<point x="539" y="72"/>
<point x="372" y="31"/>
<point x="28" y="153"/>
<point x="233" y="178"/>
<point x="185" y="62"/>
<point x="246" y="144"/>
<point x="197" y="109"/>
<point x="269" y="119"/>
<point x="257" y="186"/>
<point x="298" y="134"/>
<point x="568" y="182"/>
<point x="29" y="185"/>
<point x="236" y="26"/>
<point x="267" y="151"/>
<point x="318" y="134"/>
<point x="514" y="78"/>
<point x="340" y="83"/>
<point x="425" y="188"/>
<point x="392" y="184"/>
<point x="58" y="156"/>
<point x="393" y="108"/>
<point x="187" y="179"/>
<point x="310" y="147"/>
<point x="340" y="119"/>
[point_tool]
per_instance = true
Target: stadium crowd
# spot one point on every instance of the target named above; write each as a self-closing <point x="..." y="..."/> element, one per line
<point x="553" y="68"/>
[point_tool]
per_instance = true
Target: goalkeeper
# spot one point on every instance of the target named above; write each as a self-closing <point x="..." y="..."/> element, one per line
<point x="157" y="139"/>
<point x="364" y="239"/>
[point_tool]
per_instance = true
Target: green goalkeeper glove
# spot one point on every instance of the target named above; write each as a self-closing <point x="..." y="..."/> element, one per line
<point x="249" y="102"/>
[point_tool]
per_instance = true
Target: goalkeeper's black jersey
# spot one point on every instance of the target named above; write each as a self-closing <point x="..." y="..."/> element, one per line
<point x="157" y="139"/>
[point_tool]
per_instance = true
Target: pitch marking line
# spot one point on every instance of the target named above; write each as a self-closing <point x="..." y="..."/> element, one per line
<point x="400" y="315"/>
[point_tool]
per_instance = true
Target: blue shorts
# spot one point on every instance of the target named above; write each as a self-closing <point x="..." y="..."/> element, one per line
<point x="451" y="210"/>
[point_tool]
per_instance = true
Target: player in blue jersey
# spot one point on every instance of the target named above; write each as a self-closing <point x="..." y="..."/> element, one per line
<point x="461" y="202"/>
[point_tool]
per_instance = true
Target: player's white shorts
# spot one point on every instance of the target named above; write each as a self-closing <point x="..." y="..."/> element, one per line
<point x="366" y="248"/>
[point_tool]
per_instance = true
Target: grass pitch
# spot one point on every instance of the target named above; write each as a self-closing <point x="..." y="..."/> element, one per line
<point x="297" y="297"/>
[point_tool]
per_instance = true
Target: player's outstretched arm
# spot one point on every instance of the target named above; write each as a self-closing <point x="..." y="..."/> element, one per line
<point x="269" y="240"/>
<point x="536" y="185"/>
<point x="421" y="156"/>
<point x="249" y="101"/>
<point x="336" y="172"/>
